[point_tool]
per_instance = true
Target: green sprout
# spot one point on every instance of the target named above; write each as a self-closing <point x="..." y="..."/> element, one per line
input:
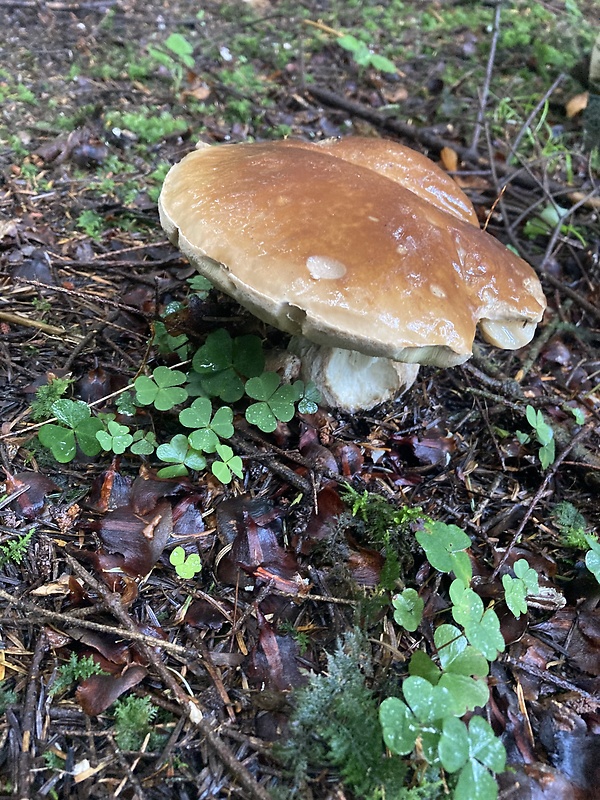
<point x="518" y="588"/>
<point x="185" y="567"/>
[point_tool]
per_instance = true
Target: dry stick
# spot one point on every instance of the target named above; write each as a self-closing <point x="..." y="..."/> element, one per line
<point x="190" y="705"/>
<point x="42" y="615"/>
<point x="83" y="295"/>
<point x="24" y="774"/>
<point x="27" y="322"/>
<point x="538" y="495"/>
<point x="488" y="79"/>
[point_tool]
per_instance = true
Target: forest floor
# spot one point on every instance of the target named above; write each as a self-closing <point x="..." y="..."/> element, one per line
<point x="257" y="667"/>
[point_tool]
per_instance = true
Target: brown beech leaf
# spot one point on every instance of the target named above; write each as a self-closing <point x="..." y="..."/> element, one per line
<point x="577" y="104"/>
<point x="97" y="693"/>
<point x="110" y="490"/>
<point x="365" y="566"/>
<point x="431" y="451"/>
<point x="187" y="517"/>
<point x="33" y="488"/>
<point x="140" y="539"/>
<point x="148" y="490"/>
<point x="206" y="616"/>
<point x="273" y="661"/>
<point x="449" y="159"/>
<point x="329" y="506"/>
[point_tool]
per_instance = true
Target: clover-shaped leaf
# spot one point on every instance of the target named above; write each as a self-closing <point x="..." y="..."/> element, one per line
<point x="428" y="703"/>
<point x="482" y="628"/>
<point x="116" y="438"/>
<point x="60" y="441"/>
<point x="275" y="402"/>
<point x="185" y="567"/>
<point x="198" y="415"/>
<point x="71" y="412"/>
<point x="163" y="390"/>
<point x="592" y="557"/>
<point x="309" y="399"/>
<point x="81" y="429"/>
<point x="517" y="589"/>
<point x="181" y="455"/>
<point x="399" y="726"/>
<point x="445" y="546"/>
<point x="144" y="444"/>
<point x="200" y="285"/>
<point x="408" y="609"/>
<point x="230" y="463"/>
<point x="222" y="361"/>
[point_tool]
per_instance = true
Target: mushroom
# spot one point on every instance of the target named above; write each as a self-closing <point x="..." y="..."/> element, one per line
<point x="362" y="249"/>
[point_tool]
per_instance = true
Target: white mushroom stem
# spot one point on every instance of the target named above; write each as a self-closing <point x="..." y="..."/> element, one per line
<point x="350" y="380"/>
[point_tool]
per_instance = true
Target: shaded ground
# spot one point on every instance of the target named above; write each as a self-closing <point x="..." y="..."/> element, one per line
<point x="95" y="106"/>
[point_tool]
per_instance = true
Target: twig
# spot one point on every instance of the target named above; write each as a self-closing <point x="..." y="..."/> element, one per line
<point x="24" y="774"/>
<point x="535" y="111"/>
<point x="488" y="79"/>
<point x="27" y="322"/>
<point x="539" y="494"/>
<point x="190" y="705"/>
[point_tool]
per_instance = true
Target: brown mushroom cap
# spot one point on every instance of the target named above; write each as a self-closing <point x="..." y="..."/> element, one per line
<point x="327" y="242"/>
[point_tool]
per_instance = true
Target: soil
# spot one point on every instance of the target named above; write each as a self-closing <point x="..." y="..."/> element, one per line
<point x="95" y="107"/>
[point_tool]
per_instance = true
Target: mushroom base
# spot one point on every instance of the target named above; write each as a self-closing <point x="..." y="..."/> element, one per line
<point x="349" y="380"/>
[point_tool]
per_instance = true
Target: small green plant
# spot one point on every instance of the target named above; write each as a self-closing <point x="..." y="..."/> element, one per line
<point x="46" y="395"/>
<point x="133" y="720"/>
<point x="185" y="567"/>
<point x="543" y="435"/>
<point x="222" y="363"/>
<point x="208" y="427"/>
<point x="163" y="390"/>
<point x="14" y="551"/>
<point x="335" y="722"/>
<point x="228" y="465"/>
<point x="175" y="53"/>
<point x="544" y="223"/>
<point x="77" y="427"/>
<point x="408" y="609"/>
<point x="181" y="455"/>
<point x="517" y="589"/>
<point x="571" y="523"/>
<point x="592" y="557"/>
<point x="275" y="402"/>
<point x="116" y="438"/>
<point x="91" y="223"/>
<point x="146" y="124"/>
<point x="76" y="669"/>
<point x="363" y="55"/>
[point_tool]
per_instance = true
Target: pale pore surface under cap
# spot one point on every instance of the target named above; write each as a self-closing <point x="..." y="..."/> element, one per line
<point x="338" y="252"/>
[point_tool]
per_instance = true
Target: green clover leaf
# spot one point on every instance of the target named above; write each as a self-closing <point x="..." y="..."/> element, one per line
<point x="163" y="390"/>
<point x="592" y="557"/>
<point x="198" y="415"/>
<point x="185" y="567"/>
<point x="275" y="402"/>
<point x="116" y="438"/>
<point x="78" y="428"/>
<point x="445" y="546"/>
<point x="482" y="628"/>
<point x="517" y="589"/>
<point x="230" y="463"/>
<point x="408" y="609"/>
<point x="222" y="362"/>
<point x="181" y="455"/>
<point x="144" y="444"/>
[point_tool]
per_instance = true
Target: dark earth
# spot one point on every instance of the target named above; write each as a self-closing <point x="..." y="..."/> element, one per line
<point x="120" y="676"/>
